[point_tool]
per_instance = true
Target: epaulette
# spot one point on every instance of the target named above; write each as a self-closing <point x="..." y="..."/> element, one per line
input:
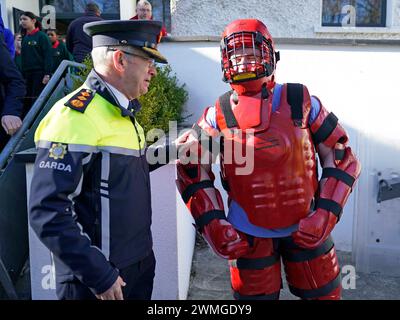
<point x="80" y="100"/>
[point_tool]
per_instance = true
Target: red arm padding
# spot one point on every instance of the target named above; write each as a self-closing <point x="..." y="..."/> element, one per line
<point x="206" y="206"/>
<point x="315" y="229"/>
<point x="326" y="129"/>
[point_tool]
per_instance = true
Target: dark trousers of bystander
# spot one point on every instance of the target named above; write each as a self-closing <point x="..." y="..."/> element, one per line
<point x="138" y="278"/>
<point x="34" y="87"/>
<point x="4" y="137"/>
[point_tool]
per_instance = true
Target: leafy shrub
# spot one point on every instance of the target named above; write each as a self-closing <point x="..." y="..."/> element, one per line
<point x="163" y="102"/>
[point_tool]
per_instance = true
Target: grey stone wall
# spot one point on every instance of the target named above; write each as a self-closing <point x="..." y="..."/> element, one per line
<point x="285" y="19"/>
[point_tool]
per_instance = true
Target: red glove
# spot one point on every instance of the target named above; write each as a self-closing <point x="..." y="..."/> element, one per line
<point x="315" y="229"/>
<point x="224" y="239"/>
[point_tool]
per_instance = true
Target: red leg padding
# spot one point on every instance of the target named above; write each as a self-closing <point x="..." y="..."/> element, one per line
<point x="318" y="278"/>
<point x="257" y="275"/>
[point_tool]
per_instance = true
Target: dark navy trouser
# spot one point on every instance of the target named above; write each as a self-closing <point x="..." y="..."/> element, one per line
<point x="138" y="278"/>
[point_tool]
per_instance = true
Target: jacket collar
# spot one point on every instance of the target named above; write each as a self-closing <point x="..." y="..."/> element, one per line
<point x="34" y="31"/>
<point x="56" y="44"/>
<point x="97" y="84"/>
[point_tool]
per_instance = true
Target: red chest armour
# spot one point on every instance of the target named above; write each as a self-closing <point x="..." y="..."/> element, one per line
<point x="278" y="192"/>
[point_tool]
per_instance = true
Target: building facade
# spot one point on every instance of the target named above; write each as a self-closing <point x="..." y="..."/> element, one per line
<point x="298" y="19"/>
<point x="347" y="53"/>
<point x="68" y="10"/>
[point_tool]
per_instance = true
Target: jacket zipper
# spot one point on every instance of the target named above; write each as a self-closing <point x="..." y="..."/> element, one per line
<point x="137" y="132"/>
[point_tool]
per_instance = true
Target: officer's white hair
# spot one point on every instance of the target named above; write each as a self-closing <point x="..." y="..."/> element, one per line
<point x="102" y="56"/>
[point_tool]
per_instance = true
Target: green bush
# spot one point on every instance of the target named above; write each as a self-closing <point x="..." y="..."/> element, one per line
<point x="82" y="73"/>
<point x="163" y="102"/>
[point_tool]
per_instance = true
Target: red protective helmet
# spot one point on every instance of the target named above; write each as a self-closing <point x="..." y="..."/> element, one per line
<point x="248" y="57"/>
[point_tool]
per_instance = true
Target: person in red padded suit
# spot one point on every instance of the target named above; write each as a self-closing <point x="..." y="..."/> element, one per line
<point x="279" y="213"/>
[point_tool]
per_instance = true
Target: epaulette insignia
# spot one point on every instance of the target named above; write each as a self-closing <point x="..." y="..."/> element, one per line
<point x="81" y="100"/>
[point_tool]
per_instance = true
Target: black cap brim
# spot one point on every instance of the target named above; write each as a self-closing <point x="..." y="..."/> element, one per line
<point x="143" y="34"/>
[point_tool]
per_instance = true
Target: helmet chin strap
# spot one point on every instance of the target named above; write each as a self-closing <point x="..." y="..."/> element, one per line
<point x="244" y="76"/>
<point x="254" y="86"/>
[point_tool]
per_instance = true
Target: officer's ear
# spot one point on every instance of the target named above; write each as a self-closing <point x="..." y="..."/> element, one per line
<point x="118" y="61"/>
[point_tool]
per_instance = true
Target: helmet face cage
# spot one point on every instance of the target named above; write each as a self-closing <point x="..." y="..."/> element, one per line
<point x="249" y="52"/>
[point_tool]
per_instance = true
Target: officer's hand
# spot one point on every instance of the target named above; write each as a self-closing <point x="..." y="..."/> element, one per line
<point x="46" y="79"/>
<point x="11" y="124"/>
<point x="185" y="140"/>
<point x="188" y="147"/>
<point x="115" y="292"/>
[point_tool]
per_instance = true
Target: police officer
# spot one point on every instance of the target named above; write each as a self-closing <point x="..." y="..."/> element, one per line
<point x="90" y="196"/>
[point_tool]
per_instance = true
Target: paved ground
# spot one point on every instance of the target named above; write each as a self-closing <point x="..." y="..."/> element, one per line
<point x="210" y="280"/>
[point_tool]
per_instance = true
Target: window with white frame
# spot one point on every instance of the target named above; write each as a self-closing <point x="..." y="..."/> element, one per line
<point x="358" y="13"/>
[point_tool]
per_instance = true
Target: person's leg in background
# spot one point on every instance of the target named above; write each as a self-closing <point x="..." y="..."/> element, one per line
<point x="34" y="87"/>
<point x="4" y="137"/>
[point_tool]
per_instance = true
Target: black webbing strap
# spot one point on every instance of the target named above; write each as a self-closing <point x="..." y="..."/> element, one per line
<point x="225" y="103"/>
<point x="295" y="99"/>
<point x="193" y="188"/>
<point x="338" y="174"/>
<point x="264" y="92"/>
<point x="224" y="183"/>
<point x="317" y="293"/>
<point x="272" y="296"/>
<point x="307" y="255"/>
<point x="277" y="56"/>
<point x="330" y="205"/>
<point x="256" y="263"/>
<point x="326" y="128"/>
<point x="207" y="217"/>
<point x="339" y="154"/>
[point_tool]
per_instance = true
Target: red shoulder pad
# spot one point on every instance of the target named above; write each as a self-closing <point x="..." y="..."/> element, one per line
<point x="326" y="129"/>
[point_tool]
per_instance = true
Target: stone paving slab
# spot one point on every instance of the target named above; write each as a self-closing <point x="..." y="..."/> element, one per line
<point x="210" y="280"/>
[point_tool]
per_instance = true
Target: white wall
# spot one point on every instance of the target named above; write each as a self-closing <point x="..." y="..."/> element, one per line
<point x="285" y="19"/>
<point x="31" y="5"/>
<point x="127" y="9"/>
<point x="353" y="82"/>
<point x="173" y="237"/>
<point x="3" y="11"/>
